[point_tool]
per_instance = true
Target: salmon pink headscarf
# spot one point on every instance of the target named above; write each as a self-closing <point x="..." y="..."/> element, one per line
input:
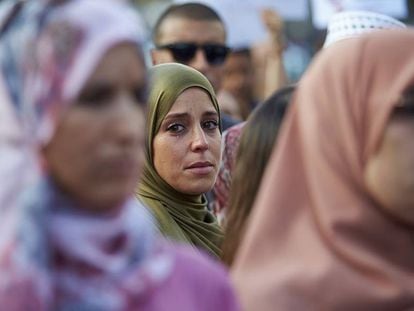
<point x="316" y="239"/>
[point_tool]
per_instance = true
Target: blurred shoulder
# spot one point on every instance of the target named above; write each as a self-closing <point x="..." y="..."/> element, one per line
<point x="206" y="277"/>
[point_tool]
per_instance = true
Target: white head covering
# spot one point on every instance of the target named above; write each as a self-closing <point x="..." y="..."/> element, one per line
<point x="344" y="25"/>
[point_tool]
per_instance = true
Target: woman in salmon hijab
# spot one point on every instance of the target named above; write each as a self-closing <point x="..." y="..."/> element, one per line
<point x="77" y="239"/>
<point x="333" y="225"/>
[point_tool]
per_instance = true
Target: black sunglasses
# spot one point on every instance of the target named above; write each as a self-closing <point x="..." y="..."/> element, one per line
<point x="184" y="52"/>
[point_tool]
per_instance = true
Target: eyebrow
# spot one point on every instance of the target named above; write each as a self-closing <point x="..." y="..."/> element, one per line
<point x="174" y="116"/>
<point x="179" y="115"/>
<point x="211" y="113"/>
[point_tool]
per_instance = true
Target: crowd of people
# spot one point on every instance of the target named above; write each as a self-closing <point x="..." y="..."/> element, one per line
<point x="204" y="181"/>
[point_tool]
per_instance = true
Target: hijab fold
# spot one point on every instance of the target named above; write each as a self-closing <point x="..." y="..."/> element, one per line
<point x="180" y="217"/>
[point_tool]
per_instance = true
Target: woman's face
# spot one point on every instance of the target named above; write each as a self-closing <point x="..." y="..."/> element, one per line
<point x="187" y="146"/>
<point x="389" y="173"/>
<point x="96" y="153"/>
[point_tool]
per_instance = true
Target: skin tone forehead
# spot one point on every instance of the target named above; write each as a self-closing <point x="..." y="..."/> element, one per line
<point x="187" y="97"/>
<point x="112" y="73"/>
<point x="184" y="106"/>
<point x="182" y="30"/>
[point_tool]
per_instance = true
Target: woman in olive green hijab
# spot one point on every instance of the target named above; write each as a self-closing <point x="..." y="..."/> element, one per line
<point x="182" y="155"/>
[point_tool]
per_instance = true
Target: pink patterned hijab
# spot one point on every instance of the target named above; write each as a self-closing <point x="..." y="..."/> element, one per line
<point x="48" y="48"/>
<point x="54" y="256"/>
<point x="316" y="239"/>
<point x="221" y="190"/>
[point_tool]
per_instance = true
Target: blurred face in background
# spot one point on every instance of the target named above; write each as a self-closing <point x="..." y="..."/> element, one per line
<point x="238" y="75"/>
<point x="96" y="153"/>
<point x="199" y="32"/>
<point x="229" y="105"/>
<point x="187" y="146"/>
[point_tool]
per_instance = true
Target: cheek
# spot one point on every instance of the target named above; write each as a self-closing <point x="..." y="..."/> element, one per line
<point x="74" y="159"/>
<point x="388" y="174"/>
<point x="71" y="154"/>
<point x="374" y="173"/>
<point x="397" y="151"/>
<point x="167" y="156"/>
<point x="160" y="57"/>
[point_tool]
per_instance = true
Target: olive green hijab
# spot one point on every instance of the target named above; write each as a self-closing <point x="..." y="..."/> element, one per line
<point x="180" y="217"/>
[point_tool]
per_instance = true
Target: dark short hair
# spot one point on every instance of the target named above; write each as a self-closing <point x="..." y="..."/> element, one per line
<point x="190" y="10"/>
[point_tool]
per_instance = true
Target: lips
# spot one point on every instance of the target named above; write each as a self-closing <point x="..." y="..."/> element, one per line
<point x="201" y="168"/>
<point x="200" y="164"/>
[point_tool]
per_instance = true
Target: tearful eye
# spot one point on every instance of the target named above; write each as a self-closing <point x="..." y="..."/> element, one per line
<point x="210" y="124"/>
<point x="175" y="128"/>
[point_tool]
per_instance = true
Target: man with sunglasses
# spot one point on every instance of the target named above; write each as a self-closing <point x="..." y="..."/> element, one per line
<point x="193" y="34"/>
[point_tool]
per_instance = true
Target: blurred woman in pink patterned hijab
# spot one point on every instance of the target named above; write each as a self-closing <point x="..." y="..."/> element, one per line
<point x="77" y="239"/>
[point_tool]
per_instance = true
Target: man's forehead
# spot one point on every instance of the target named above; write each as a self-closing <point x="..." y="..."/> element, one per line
<point x="176" y="29"/>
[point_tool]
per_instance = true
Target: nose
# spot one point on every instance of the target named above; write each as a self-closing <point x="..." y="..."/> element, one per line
<point x="128" y="124"/>
<point x="199" y="61"/>
<point x="199" y="140"/>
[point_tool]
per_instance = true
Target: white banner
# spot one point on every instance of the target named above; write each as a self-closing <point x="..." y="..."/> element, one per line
<point x="242" y="17"/>
<point x="322" y="10"/>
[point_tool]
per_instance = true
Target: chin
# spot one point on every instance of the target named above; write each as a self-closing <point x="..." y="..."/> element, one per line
<point x="106" y="199"/>
<point x="100" y="205"/>
<point x="199" y="189"/>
